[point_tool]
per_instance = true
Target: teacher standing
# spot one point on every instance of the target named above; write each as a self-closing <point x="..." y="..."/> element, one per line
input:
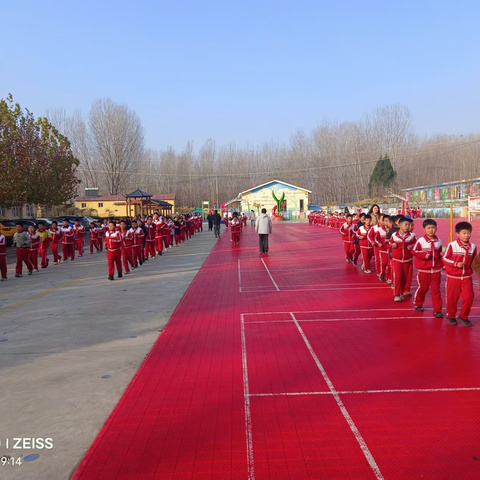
<point x="264" y="228"/>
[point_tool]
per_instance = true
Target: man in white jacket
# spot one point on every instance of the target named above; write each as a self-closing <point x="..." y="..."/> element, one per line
<point x="264" y="228"/>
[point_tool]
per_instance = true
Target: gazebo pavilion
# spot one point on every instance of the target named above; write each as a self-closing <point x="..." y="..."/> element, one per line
<point x="141" y="203"/>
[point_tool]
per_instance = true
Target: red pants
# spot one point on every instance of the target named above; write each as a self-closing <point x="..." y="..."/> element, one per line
<point x="177" y="239"/>
<point x="408" y="283"/>
<point x="166" y="241"/>
<point x="137" y="254"/>
<point x="457" y="288"/>
<point x="367" y="254"/>
<point x="94" y="243"/>
<point x="33" y="257"/>
<point x="100" y="243"/>
<point x="383" y="263"/>
<point x="356" y="252"/>
<point x="3" y="265"/>
<point x="400" y="275"/>
<point x="348" y="246"/>
<point x="22" y="256"/>
<point x="43" y="254"/>
<point x="159" y="244"/>
<point x="68" y="250"/>
<point x="376" y="251"/>
<point x="79" y="244"/>
<point x="127" y="258"/>
<point x="428" y="281"/>
<point x="114" y="258"/>
<point x="54" y="246"/>
<point x="150" y="248"/>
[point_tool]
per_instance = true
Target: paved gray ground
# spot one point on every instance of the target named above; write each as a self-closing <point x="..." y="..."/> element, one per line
<point x="61" y="331"/>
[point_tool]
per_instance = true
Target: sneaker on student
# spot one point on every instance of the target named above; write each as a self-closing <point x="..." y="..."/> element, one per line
<point x="120" y="275"/>
<point x="398" y="298"/>
<point x="363" y="267"/>
<point x="18" y="275"/>
<point x="438" y="315"/>
<point x="367" y="271"/>
<point x="30" y="272"/>
<point x="389" y="281"/>
<point x="382" y="279"/>
<point x="407" y="294"/>
<point x="347" y="261"/>
<point x="355" y="262"/>
<point x="110" y="277"/>
<point x="452" y="321"/>
<point x="419" y="309"/>
<point x="466" y="322"/>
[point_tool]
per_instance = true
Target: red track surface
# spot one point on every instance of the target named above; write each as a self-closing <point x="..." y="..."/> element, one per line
<point x="301" y="367"/>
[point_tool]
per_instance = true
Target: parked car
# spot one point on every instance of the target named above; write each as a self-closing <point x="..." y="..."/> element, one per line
<point x="71" y="221"/>
<point x="26" y="222"/>
<point x="46" y="221"/>
<point x="7" y="228"/>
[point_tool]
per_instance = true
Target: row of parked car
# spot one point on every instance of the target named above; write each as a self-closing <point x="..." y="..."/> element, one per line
<point x="7" y="227"/>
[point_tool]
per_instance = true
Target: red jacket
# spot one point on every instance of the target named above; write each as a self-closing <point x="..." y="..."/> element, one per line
<point x="362" y="235"/>
<point x="381" y="239"/>
<point x="400" y="253"/>
<point x="113" y="240"/>
<point x="3" y="245"/>
<point x="35" y="241"/>
<point x="56" y="235"/>
<point x="137" y="236"/>
<point x="427" y="255"/>
<point x="348" y="232"/>
<point x="67" y="234"/>
<point x="79" y="231"/>
<point x="457" y="252"/>
<point x="150" y="232"/>
<point x="127" y="239"/>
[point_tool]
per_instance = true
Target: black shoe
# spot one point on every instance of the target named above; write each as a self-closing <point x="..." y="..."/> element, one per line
<point x="438" y="315"/>
<point x="141" y="263"/>
<point x="18" y="276"/>
<point x="127" y="273"/>
<point x="30" y="272"/>
<point x="382" y="279"/>
<point x="466" y="322"/>
<point x="419" y="309"/>
<point x="111" y="278"/>
<point x="451" y="321"/>
<point x="355" y="263"/>
<point x="120" y="275"/>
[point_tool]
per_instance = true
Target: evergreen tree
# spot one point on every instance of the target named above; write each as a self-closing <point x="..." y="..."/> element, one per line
<point x="383" y="176"/>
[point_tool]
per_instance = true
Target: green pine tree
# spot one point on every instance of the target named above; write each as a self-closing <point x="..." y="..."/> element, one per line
<point x="383" y="176"/>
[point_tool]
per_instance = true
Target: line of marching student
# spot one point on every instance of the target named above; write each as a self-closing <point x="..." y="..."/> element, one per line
<point x="129" y="242"/>
<point x="393" y="248"/>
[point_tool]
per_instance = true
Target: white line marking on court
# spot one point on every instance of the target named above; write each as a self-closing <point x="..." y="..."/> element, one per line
<point x="270" y="275"/>
<point x="317" y="289"/>
<point x="338" y="319"/>
<point x="362" y="392"/>
<point x="335" y="311"/>
<point x="368" y="455"/>
<point x="239" y="278"/>
<point x="248" y="415"/>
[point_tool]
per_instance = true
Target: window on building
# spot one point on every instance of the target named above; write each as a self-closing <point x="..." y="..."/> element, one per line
<point x="84" y="205"/>
<point x="15" y="211"/>
<point x="100" y="205"/>
<point x="301" y="205"/>
<point x="29" y="211"/>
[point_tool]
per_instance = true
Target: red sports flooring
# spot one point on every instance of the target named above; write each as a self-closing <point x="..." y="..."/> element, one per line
<point x="295" y="365"/>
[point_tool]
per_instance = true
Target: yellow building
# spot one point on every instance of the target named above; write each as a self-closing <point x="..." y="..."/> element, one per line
<point x="116" y="205"/>
<point x="293" y="206"/>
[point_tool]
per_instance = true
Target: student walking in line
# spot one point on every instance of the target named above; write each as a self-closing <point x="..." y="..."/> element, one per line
<point x="21" y="240"/>
<point x="264" y="228"/>
<point x="252" y="218"/>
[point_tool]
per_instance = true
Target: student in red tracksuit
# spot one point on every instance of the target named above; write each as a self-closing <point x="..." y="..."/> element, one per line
<point x="127" y="247"/>
<point x="55" y="238"/>
<point x="68" y="246"/>
<point x="381" y="243"/>
<point x="159" y="229"/>
<point x="3" y="257"/>
<point x="458" y="259"/>
<point x="365" y="246"/>
<point x="79" y="233"/>
<point x="401" y="244"/>
<point x="34" y="246"/>
<point x="113" y="245"/>
<point x="45" y="238"/>
<point x="347" y="231"/>
<point x="372" y="234"/>
<point x="150" y="238"/>
<point x="94" y="235"/>
<point x="166" y="233"/>
<point x="356" y="242"/>
<point x="102" y="229"/>
<point x="428" y="262"/>
<point x="21" y="240"/>
<point x="235" y="229"/>
<point x="408" y="283"/>
<point x="137" y="248"/>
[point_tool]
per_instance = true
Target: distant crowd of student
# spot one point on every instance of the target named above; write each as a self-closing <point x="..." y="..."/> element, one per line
<point x="389" y="245"/>
<point x="131" y="242"/>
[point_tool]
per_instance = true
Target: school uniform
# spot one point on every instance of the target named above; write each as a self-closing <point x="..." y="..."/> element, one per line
<point x="381" y="242"/>
<point x="94" y="235"/>
<point x="235" y="230"/>
<point x="150" y="240"/>
<point x="3" y="256"/>
<point x="33" y="249"/>
<point x="127" y="250"/>
<point x="55" y="238"/>
<point x="79" y="241"/>
<point x="365" y="246"/>
<point x="348" y="234"/>
<point x="137" y="247"/>
<point x="22" y="242"/>
<point x="459" y="282"/>
<point x="402" y="259"/>
<point x="68" y="245"/>
<point x="372" y="234"/>
<point x="45" y="238"/>
<point x="428" y="262"/>
<point x="113" y="244"/>
<point x="102" y="229"/>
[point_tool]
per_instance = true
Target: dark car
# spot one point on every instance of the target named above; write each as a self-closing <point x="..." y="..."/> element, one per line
<point x="71" y="221"/>
<point x="26" y="222"/>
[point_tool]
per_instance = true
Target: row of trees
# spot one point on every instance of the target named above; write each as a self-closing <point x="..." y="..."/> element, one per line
<point x="36" y="162"/>
<point x="335" y="160"/>
<point x="106" y="149"/>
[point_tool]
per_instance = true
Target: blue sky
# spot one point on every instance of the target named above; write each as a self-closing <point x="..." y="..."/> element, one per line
<point x="249" y="71"/>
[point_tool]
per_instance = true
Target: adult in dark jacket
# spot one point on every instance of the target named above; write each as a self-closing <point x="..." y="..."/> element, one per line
<point x="217" y="219"/>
